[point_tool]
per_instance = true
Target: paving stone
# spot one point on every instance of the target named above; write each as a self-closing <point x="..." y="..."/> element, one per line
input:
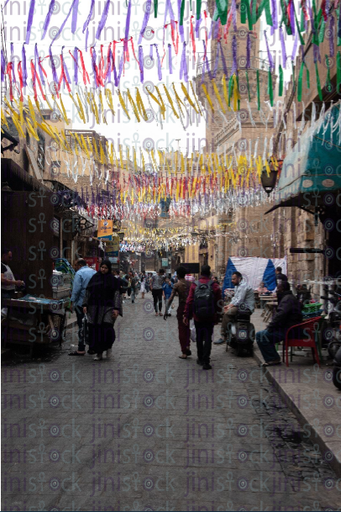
<point x="146" y="431"/>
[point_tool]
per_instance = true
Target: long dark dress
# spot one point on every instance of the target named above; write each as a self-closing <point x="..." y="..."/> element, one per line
<point x="102" y="296"/>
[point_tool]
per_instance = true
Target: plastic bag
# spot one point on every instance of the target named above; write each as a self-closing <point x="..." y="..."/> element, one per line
<point x="193" y="333"/>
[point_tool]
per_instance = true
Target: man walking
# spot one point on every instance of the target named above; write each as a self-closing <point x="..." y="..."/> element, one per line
<point x="80" y="283"/>
<point x="203" y="304"/>
<point x="243" y="300"/>
<point x="280" y="278"/>
<point x="133" y="284"/>
<point x="156" y="288"/>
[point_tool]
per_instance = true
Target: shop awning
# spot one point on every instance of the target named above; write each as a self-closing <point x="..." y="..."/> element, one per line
<point x="313" y="167"/>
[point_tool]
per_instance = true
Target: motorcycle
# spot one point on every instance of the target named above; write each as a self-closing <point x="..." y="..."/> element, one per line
<point x="241" y="334"/>
<point x="332" y="333"/>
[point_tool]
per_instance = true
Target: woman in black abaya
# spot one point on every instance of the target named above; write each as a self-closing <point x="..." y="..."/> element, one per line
<point x="102" y="305"/>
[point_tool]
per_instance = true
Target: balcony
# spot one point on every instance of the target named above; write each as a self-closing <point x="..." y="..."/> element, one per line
<point x="256" y="63"/>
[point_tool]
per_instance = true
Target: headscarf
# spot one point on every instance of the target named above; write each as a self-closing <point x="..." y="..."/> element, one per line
<point x="102" y="287"/>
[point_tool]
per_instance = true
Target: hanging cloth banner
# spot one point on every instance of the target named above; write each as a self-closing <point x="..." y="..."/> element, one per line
<point x="48" y="18"/>
<point x="30" y="21"/>
<point x="23" y="55"/>
<point x="183" y="68"/>
<point x="103" y="20"/>
<point x="73" y="10"/>
<point x="148" y="8"/>
<point x="141" y="63"/>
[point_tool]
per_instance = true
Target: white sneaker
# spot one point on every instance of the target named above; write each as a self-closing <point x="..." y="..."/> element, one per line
<point x="99" y="357"/>
<point x="109" y="352"/>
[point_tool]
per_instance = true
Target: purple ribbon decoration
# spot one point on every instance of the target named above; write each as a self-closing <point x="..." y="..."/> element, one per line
<point x="3" y="65"/>
<point x="141" y="63"/>
<point x="86" y="39"/>
<point x="183" y="68"/>
<point x="274" y="15"/>
<point x="37" y="62"/>
<point x="234" y="15"/>
<point x="109" y="70"/>
<point x="116" y="80"/>
<point x="316" y="51"/>
<point x="12" y="60"/>
<point x="75" y="66"/>
<point x="248" y="51"/>
<point x="30" y="21"/>
<point x="151" y="51"/>
<point x="103" y="19"/>
<point x="126" y="33"/>
<point x="158" y="62"/>
<point x="339" y="28"/>
<point x="146" y="19"/>
<point x="65" y="67"/>
<point x="197" y="26"/>
<point x="331" y="36"/>
<point x="272" y="66"/>
<point x="223" y="59"/>
<point x="294" y="50"/>
<point x="54" y="71"/>
<point x="170" y="59"/>
<point x="74" y="17"/>
<point x="24" y="67"/>
<point x="206" y="65"/>
<point x="94" y="65"/>
<point x="6" y="4"/>
<point x="74" y="3"/>
<point x="88" y="19"/>
<point x="284" y="53"/>
<point x="48" y="18"/>
<point x="234" y="55"/>
<point x="120" y="69"/>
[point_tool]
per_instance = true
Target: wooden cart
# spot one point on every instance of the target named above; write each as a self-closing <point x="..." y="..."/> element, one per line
<point x="34" y="321"/>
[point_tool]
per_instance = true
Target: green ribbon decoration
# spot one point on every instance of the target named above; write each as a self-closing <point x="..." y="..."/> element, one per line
<point x="338" y="73"/>
<point x="307" y="75"/>
<point x="302" y="21"/>
<point x="285" y="19"/>
<point x="198" y="9"/>
<point x="230" y="89"/>
<point x="322" y="29"/>
<point x="258" y="91"/>
<point x="299" y="87"/>
<point x="280" y="87"/>
<point x="221" y="12"/>
<point x="248" y="85"/>
<point x="328" y="85"/>
<point x="270" y="91"/>
<point x="245" y="12"/>
<point x="155" y="8"/>
<point x="265" y="6"/>
<point x="182" y="12"/>
<point x="318" y="83"/>
<point x="238" y="101"/>
<point x="298" y="28"/>
<point x="254" y="13"/>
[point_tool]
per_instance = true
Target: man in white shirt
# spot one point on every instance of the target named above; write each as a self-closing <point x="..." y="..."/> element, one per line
<point x="243" y="300"/>
<point x="8" y="282"/>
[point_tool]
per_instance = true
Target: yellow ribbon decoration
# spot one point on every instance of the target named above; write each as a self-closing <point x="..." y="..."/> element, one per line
<point x="140" y="105"/>
<point x="171" y="102"/>
<point x="184" y="90"/>
<point x="196" y="99"/>
<point x="216" y="91"/>
<point x="136" y="113"/>
<point x="226" y="96"/>
<point x="207" y="96"/>
<point x="122" y="103"/>
<point x="108" y="97"/>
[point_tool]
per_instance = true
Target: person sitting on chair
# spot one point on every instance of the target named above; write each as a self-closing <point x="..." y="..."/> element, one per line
<point x="288" y="314"/>
<point x="243" y="300"/>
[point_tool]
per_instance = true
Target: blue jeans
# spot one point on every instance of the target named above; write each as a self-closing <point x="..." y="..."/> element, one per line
<point x="266" y="341"/>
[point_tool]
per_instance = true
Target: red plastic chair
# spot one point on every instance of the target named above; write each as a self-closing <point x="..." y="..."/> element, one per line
<point x="306" y="340"/>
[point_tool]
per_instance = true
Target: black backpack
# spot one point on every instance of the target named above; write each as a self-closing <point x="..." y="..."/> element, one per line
<point x="204" y="303"/>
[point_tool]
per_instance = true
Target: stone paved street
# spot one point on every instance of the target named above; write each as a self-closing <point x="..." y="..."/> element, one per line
<point x="148" y="431"/>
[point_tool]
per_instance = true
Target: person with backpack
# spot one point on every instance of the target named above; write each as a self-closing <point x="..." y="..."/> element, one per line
<point x="204" y="304"/>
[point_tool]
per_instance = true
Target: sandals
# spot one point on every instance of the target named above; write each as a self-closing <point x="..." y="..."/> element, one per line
<point x="184" y="356"/>
<point x="270" y="363"/>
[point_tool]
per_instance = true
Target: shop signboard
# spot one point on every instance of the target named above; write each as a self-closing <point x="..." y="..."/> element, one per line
<point x="105" y="228"/>
<point x="112" y="246"/>
<point x="165" y="262"/>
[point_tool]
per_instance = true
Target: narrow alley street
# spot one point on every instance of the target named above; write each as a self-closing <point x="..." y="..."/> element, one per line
<point x="148" y="431"/>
